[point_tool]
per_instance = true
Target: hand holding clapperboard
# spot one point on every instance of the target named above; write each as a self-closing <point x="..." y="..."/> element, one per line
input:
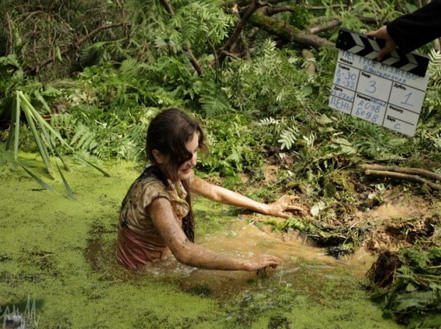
<point x="389" y="93"/>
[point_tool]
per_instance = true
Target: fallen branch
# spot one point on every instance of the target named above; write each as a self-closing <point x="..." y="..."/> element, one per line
<point x="275" y="10"/>
<point x="37" y="67"/>
<point x="397" y="175"/>
<point x="288" y="32"/>
<point x="240" y="26"/>
<point x="412" y="171"/>
<point x="323" y="27"/>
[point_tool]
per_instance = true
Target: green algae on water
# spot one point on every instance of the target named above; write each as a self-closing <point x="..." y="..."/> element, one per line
<point x="60" y="253"/>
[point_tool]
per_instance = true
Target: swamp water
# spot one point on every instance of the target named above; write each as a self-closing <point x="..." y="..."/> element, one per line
<point x="61" y="254"/>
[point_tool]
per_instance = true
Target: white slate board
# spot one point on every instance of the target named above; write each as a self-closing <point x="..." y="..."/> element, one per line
<point x="377" y="92"/>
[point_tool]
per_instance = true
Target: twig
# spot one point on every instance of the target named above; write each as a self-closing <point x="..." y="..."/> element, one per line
<point x="168" y="6"/>
<point x="412" y="171"/>
<point x="193" y="59"/>
<point x="37" y="67"/>
<point x="391" y="174"/>
<point x="369" y="20"/>
<point x="230" y="54"/>
<point x="246" y="48"/>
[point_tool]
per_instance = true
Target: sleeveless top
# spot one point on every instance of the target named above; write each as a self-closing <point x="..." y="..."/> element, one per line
<point x="139" y="242"/>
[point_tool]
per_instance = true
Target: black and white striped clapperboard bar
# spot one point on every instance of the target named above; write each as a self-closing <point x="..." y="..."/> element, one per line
<point x="389" y="93"/>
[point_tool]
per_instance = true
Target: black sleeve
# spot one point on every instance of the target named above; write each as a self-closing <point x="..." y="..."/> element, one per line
<point x="414" y="30"/>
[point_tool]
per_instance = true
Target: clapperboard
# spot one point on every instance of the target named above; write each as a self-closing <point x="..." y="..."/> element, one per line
<point x="389" y="93"/>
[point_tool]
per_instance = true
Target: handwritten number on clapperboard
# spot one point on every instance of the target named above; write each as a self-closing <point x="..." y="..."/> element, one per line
<point x="407" y="99"/>
<point x="349" y="79"/>
<point x="367" y="111"/>
<point x="373" y="87"/>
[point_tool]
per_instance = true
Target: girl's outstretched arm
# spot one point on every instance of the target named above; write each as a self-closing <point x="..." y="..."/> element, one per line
<point x="186" y="252"/>
<point x="216" y="193"/>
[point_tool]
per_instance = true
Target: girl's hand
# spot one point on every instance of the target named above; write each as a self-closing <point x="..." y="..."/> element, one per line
<point x="281" y="207"/>
<point x="262" y="261"/>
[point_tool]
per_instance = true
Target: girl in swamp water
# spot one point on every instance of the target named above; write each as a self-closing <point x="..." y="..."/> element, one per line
<point x="156" y="214"/>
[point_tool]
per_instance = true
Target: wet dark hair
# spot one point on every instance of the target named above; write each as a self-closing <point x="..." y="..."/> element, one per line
<point x="168" y="133"/>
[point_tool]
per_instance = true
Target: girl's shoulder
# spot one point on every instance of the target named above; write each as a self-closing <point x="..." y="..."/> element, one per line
<point x="150" y="181"/>
<point x="145" y="189"/>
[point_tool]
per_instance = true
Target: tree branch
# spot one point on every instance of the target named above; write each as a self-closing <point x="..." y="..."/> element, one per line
<point x="193" y="59"/>
<point x="326" y="26"/>
<point x="240" y="26"/>
<point x="413" y="171"/>
<point x="288" y="32"/>
<point x="391" y="174"/>
<point x="37" y="67"/>
<point x="275" y="10"/>
<point x="168" y="6"/>
<point x="186" y="46"/>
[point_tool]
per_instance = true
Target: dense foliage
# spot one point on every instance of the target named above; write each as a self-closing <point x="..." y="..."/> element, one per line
<point x="415" y="296"/>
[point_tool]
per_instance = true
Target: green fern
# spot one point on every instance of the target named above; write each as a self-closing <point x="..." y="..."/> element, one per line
<point x="213" y="100"/>
<point x="435" y="67"/>
<point x="288" y="137"/>
<point x="269" y="121"/>
<point x="84" y="139"/>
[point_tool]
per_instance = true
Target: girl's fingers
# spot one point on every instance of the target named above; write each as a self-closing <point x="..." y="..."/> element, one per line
<point x="295" y="208"/>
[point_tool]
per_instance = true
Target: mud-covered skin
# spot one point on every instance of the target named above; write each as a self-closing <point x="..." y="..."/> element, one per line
<point x="186" y="252"/>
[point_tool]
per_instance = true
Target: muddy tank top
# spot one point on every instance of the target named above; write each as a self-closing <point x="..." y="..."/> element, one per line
<point x="138" y="240"/>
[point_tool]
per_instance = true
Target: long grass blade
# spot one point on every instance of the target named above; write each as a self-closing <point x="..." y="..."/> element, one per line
<point x="17" y="125"/>
<point x="43" y="122"/>
<point x="96" y="167"/>
<point x="39" y="180"/>
<point x="42" y="101"/>
<point x="58" y="155"/>
<point x="55" y="133"/>
<point x="66" y="184"/>
<point x="44" y="125"/>
<point x="43" y="152"/>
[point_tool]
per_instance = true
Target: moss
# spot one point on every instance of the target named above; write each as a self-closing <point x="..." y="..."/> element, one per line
<point x="61" y="253"/>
